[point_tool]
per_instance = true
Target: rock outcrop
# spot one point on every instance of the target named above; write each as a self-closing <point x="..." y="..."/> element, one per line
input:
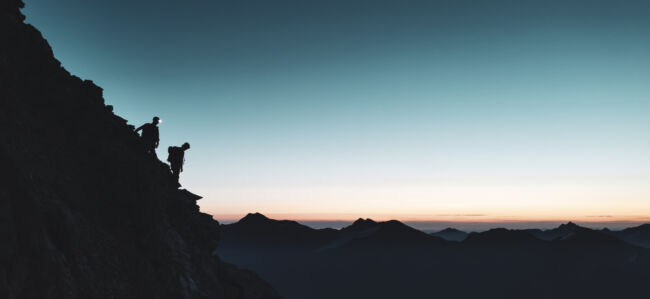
<point x="84" y="211"/>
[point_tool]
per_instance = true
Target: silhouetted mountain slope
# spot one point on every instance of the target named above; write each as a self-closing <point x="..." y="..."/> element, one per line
<point x="257" y="229"/>
<point x="451" y="234"/>
<point x="390" y="233"/>
<point x="590" y="237"/>
<point x="371" y="259"/>
<point x="501" y="237"/>
<point x="639" y="235"/>
<point x="361" y="225"/>
<point x="84" y="212"/>
<point x="560" y="232"/>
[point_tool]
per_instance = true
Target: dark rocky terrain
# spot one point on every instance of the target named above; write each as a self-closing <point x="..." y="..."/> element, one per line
<point x="84" y="212"/>
<point x="370" y="259"/>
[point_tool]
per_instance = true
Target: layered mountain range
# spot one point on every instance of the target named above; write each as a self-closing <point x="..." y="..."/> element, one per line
<point x="370" y="259"/>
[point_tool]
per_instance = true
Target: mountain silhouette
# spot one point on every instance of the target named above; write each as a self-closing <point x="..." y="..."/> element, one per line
<point x="559" y="232"/>
<point x="361" y="225"/>
<point x="389" y="233"/>
<point x="255" y="218"/>
<point x="84" y="211"/>
<point x="451" y="234"/>
<point x="501" y="237"/>
<point x="258" y="230"/>
<point x="581" y="235"/>
<point x="639" y="235"/>
<point x="371" y="259"/>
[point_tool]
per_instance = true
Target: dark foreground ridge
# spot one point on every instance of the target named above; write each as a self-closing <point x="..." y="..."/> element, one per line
<point x="84" y="211"/>
<point x="369" y="259"/>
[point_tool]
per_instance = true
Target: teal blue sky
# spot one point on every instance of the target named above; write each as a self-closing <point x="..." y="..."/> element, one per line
<point x="476" y="111"/>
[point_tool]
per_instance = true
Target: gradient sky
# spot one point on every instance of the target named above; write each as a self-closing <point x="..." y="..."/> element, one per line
<point x="471" y="111"/>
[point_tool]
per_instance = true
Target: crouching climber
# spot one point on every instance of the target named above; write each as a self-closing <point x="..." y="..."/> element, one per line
<point x="176" y="158"/>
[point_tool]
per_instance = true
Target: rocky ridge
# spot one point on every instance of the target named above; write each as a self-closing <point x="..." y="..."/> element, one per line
<point x="84" y="211"/>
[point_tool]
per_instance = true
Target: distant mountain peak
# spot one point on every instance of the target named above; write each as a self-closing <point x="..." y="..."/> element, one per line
<point x="254" y="218"/>
<point x="361" y="224"/>
<point x="364" y="221"/>
<point x="569" y="225"/>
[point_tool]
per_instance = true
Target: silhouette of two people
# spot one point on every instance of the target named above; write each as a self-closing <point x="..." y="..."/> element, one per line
<point x="150" y="136"/>
<point x="176" y="158"/>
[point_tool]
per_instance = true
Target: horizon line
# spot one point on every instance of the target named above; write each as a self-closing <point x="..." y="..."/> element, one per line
<point x="463" y="218"/>
<point x="595" y="221"/>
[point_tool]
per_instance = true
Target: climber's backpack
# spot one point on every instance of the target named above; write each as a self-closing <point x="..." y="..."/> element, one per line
<point x="174" y="154"/>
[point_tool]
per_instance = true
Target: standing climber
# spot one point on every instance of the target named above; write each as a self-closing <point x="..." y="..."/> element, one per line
<point x="150" y="136"/>
<point x="176" y="158"/>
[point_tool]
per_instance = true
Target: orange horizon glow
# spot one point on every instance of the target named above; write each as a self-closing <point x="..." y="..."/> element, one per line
<point x="437" y="218"/>
<point x="560" y="200"/>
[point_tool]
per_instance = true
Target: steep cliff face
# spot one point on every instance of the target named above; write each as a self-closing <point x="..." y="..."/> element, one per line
<point x="84" y="211"/>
